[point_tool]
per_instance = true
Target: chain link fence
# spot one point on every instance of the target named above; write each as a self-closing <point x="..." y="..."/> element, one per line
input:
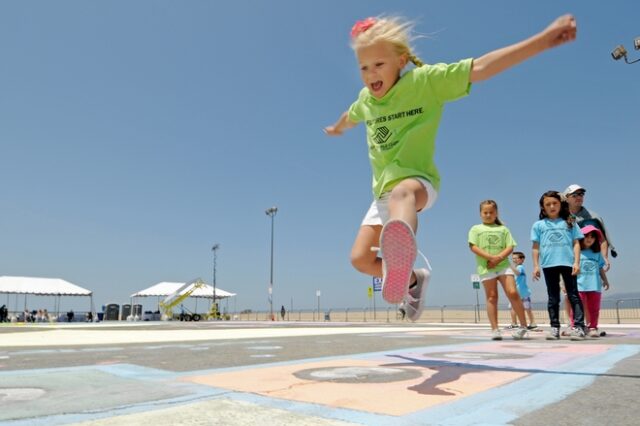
<point x="623" y="311"/>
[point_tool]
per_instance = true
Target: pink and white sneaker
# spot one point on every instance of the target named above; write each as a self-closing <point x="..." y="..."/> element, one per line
<point x="413" y="303"/>
<point x="398" y="251"/>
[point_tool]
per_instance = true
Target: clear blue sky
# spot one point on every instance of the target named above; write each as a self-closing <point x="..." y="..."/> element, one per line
<point x="136" y="134"/>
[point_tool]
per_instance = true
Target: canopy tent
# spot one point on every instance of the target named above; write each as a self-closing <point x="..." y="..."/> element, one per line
<point x="43" y="287"/>
<point x="164" y="289"/>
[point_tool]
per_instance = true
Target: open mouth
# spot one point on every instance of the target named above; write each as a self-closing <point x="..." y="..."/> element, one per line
<point x="376" y="85"/>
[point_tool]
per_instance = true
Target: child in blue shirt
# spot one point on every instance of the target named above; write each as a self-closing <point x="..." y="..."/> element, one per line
<point x="523" y="290"/>
<point x="556" y="251"/>
<point x="592" y="278"/>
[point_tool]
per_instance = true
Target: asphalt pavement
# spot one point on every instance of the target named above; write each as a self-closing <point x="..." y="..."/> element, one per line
<point x="281" y="373"/>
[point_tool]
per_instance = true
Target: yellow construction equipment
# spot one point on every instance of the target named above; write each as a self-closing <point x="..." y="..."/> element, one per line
<point x="175" y="298"/>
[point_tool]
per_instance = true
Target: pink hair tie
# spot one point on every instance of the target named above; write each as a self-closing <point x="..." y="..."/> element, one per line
<point x="362" y="26"/>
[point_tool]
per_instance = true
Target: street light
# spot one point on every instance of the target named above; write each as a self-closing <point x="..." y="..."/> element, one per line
<point x="620" y="52"/>
<point x="271" y="211"/>
<point x="215" y="249"/>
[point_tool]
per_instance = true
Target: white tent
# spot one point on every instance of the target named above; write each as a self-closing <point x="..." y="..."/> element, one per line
<point x="43" y="287"/>
<point x="164" y="289"/>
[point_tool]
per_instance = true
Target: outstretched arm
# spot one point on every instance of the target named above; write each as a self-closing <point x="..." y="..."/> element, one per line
<point x="340" y="126"/>
<point x="561" y="31"/>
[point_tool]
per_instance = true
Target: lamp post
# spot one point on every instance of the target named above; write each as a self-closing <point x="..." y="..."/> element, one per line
<point x="215" y="249"/>
<point x="271" y="212"/>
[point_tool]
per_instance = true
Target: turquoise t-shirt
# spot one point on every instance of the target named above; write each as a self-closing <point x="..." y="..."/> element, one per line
<point x="402" y="125"/>
<point x="589" y="276"/>
<point x="521" y="283"/>
<point x="556" y="241"/>
<point x="492" y="239"/>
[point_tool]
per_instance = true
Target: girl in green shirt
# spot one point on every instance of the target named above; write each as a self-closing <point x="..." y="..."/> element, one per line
<point x="492" y="243"/>
<point x="402" y="113"/>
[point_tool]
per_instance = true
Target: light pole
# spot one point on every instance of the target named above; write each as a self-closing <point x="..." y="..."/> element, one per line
<point x="271" y="212"/>
<point x="215" y="249"/>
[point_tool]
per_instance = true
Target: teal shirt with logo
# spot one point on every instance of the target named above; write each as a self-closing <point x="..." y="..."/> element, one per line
<point x="589" y="276"/>
<point x="402" y="126"/>
<point x="555" y="239"/>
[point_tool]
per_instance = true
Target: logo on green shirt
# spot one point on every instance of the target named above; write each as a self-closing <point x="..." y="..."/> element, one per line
<point x="381" y="135"/>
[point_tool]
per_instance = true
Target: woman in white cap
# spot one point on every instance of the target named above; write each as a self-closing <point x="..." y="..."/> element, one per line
<point x="574" y="194"/>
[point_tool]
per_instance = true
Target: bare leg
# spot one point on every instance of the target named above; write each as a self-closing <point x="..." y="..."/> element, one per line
<point x="491" y="292"/>
<point x="407" y="198"/>
<point x="365" y="260"/>
<point x="513" y="316"/>
<point x="362" y="258"/>
<point x="509" y="287"/>
<point x="532" y="320"/>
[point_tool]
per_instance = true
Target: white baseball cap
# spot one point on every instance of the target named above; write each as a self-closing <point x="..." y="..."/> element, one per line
<point x="573" y="188"/>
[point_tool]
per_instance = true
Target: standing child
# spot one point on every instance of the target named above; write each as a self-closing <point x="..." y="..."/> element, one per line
<point x="556" y="250"/>
<point x="402" y="113"/>
<point x="592" y="277"/>
<point x="492" y="244"/>
<point x="523" y="290"/>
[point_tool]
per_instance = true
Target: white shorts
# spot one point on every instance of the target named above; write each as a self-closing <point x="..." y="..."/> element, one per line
<point x="378" y="213"/>
<point x="496" y="274"/>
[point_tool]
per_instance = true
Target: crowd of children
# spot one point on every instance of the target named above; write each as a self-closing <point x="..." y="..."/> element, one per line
<point x="562" y="252"/>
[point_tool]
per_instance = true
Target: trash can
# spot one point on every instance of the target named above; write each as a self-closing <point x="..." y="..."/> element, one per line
<point x="327" y="316"/>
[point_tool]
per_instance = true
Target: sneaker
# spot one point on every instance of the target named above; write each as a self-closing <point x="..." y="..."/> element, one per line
<point x="412" y="304"/>
<point x="402" y="311"/>
<point x="496" y="335"/>
<point x="577" y="333"/>
<point x="511" y="326"/>
<point x="398" y="247"/>
<point x="554" y="334"/>
<point x="532" y="326"/>
<point x="519" y="334"/>
<point x="593" y="333"/>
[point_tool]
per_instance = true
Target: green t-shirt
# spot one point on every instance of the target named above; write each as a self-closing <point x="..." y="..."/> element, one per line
<point x="402" y="125"/>
<point x="492" y="239"/>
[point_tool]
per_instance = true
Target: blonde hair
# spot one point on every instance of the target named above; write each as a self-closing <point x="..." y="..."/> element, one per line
<point x="391" y="29"/>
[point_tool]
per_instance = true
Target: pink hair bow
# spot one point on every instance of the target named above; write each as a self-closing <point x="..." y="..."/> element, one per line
<point x="362" y="26"/>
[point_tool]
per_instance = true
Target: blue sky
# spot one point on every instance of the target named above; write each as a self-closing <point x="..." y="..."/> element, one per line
<point x="136" y="134"/>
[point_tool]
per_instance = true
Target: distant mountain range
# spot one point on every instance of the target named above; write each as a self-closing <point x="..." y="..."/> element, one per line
<point x="619" y="296"/>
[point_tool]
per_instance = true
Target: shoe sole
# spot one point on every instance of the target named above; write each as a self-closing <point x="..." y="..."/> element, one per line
<point x="398" y="246"/>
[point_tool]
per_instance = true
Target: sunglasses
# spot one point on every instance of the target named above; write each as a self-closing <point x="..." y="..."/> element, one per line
<point x="577" y="194"/>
